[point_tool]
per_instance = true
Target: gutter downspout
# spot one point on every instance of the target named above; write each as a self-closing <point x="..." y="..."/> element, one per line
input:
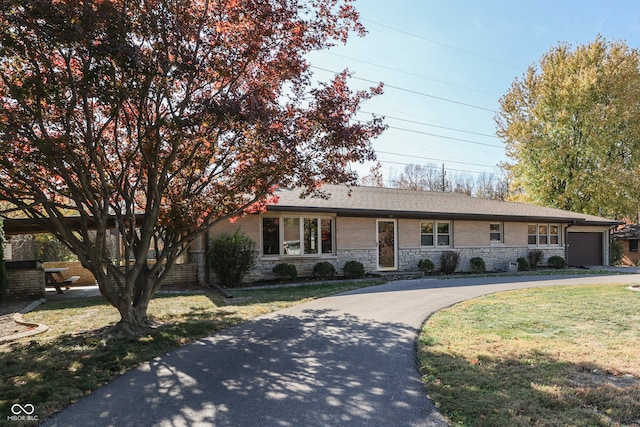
<point x="566" y="242"/>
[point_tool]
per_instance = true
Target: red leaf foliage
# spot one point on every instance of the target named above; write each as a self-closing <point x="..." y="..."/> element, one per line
<point x="187" y="111"/>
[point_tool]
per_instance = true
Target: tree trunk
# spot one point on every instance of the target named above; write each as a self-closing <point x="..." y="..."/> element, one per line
<point x="134" y="321"/>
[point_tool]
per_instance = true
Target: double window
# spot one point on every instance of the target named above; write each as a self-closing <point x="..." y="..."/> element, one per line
<point x="543" y="234"/>
<point x="297" y="235"/>
<point x="435" y="233"/>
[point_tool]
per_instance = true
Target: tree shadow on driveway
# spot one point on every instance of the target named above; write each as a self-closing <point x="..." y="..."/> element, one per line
<point x="317" y="368"/>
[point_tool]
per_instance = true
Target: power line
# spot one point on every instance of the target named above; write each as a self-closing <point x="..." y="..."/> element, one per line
<point x="415" y="92"/>
<point x="444" y="44"/>
<point x="445" y="137"/>
<point x="433" y="159"/>
<point x="432" y="125"/>
<point x="397" y="70"/>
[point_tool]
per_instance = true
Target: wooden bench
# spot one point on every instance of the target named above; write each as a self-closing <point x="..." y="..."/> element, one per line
<point x="54" y="277"/>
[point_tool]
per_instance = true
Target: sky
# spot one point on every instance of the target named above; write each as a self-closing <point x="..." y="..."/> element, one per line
<point x="446" y="64"/>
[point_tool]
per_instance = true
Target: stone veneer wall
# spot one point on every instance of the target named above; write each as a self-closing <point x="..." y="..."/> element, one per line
<point x="496" y="258"/>
<point x="27" y="283"/>
<point x="368" y="258"/>
<point x="304" y="266"/>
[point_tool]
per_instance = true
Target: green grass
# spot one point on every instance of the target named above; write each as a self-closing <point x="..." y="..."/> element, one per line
<point x="536" y="357"/>
<point x="74" y="357"/>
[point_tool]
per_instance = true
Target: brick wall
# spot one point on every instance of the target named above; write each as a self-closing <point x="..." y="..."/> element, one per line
<point x="25" y="283"/>
<point x="183" y="274"/>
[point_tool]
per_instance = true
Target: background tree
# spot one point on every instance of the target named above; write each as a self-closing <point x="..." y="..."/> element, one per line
<point x="463" y="182"/>
<point x="571" y="127"/>
<point x="492" y="186"/>
<point x="420" y="177"/>
<point x="161" y="117"/>
<point x="430" y="177"/>
<point x="374" y="177"/>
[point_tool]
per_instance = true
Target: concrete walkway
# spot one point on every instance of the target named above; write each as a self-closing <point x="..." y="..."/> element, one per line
<point x="346" y="360"/>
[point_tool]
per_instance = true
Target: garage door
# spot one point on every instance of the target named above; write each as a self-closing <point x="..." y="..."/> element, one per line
<point x="585" y="249"/>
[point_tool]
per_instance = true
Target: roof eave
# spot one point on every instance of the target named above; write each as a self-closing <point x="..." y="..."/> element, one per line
<point x="379" y="213"/>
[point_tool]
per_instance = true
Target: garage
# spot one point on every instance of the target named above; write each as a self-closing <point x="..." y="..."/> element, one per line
<point x="584" y="249"/>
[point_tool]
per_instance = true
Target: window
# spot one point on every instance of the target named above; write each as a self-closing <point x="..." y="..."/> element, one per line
<point x="435" y="233"/>
<point x="291" y="242"/>
<point x="633" y="246"/>
<point x="271" y="236"/>
<point x="532" y="234"/>
<point x="495" y="233"/>
<point x="554" y="235"/>
<point x="296" y="236"/>
<point x="543" y="234"/>
<point x="311" y="236"/>
<point x="426" y="233"/>
<point x="326" y="235"/>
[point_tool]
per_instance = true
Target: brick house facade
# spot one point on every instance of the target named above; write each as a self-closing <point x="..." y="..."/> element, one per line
<point x="392" y="229"/>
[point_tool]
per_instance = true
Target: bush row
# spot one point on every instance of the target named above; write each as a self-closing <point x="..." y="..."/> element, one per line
<point x="322" y="270"/>
<point x="450" y="260"/>
<point x="232" y="256"/>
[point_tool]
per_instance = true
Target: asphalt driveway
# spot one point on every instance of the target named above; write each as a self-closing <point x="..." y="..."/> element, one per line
<point x="345" y="360"/>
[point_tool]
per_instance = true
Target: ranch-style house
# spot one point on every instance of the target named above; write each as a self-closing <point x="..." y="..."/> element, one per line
<point x="390" y="229"/>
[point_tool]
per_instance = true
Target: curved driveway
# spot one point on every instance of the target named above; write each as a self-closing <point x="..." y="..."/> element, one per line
<point x="345" y="360"/>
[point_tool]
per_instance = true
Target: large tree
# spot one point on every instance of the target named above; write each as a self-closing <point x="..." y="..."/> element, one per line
<point x="161" y="117"/>
<point x="571" y="127"/>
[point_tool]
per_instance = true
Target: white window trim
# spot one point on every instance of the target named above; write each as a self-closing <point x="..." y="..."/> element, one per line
<point x="435" y="234"/>
<point x="548" y="244"/>
<point x="501" y="231"/>
<point x="301" y="217"/>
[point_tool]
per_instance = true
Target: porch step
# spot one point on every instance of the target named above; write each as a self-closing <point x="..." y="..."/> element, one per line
<point x="398" y="275"/>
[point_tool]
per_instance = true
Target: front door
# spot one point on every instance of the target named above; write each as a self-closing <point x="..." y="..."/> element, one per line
<point x="387" y="244"/>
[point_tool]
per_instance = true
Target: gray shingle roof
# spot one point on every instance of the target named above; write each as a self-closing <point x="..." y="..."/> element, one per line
<point x="628" y="232"/>
<point x="387" y="202"/>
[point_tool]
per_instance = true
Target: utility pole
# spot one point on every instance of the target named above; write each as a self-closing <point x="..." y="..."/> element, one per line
<point x="444" y="182"/>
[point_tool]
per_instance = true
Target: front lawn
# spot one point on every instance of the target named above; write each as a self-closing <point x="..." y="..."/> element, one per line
<point x="565" y="356"/>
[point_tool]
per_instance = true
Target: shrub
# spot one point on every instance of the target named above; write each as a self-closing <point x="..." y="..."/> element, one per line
<point x="556" y="262"/>
<point x="523" y="264"/>
<point x="324" y="270"/>
<point x="477" y="265"/>
<point x="231" y="256"/>
<point x="535" y="256"/>
<point x="285" y="271"/>
<point x="353" y="270"/>
<point x="616" y="252"/>
<point x="449" y="261"/>
<point x="426" y="266"/>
